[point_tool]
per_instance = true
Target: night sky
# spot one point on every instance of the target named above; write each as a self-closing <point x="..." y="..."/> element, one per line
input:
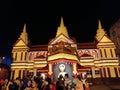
<point x="43" y="17"/>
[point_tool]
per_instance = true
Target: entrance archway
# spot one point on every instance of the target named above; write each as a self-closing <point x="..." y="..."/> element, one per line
<point x="65" y="67"/>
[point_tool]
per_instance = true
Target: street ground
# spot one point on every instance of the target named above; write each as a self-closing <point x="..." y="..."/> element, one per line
<point x="105" y="87"/>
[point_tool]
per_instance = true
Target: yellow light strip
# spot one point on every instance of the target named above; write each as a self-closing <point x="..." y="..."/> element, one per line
<point x="86" y="60"/>
<point x="62" y="55"/>
<point x="41" y="62"/>
<point x="108" y="60"/>
<point x="87" y="63"/>
<point x="22" y="64"/>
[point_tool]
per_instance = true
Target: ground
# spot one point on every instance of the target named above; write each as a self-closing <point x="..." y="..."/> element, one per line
<point x="105" y="84"/>
<point x="105" y="87"/>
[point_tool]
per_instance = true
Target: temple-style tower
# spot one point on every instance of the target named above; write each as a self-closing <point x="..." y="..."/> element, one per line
<point x="107" y="56"/>
<point x="62" y="50"/>
<point x="19" y="52"/>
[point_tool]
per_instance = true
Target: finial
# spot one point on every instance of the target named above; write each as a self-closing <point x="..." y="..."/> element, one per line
<point x="24" y="35"/>
<point x="100" y="31"/>
<point x="62" y="29"/>
<point x="24" y="28"/>
<point x="61" y="23"/>
<point x="99" y="25"/>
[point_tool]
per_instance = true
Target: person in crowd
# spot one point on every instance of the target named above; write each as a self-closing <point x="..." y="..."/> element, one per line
<point x="41" y="81"/>
<point x="21" y="84"/>
<point x="25" y="80"/>
<point x="5" y="83"/>
<point x="60" y="83"/>
<point x="29" y="85"/>
<point x="17" y="81"/>
<point x="34" y="85"/>
<point x="48" y="84"/>
<point x="73" y="83"/>
<point x="1" y="83"/>
<point x="67" y="82"/>
<point x="10" y="85"/>
<point x="79" y="84"/>
<point x="13" y="85"/>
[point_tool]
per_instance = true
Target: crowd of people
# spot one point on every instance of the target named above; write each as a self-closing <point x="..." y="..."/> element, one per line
<point x="38" y="83"/>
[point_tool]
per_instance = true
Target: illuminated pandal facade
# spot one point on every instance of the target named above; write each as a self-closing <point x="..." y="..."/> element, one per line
<point x="96" y="59"/>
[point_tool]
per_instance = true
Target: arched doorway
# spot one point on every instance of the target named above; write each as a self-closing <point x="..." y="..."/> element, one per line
<point x="61" y="69"/>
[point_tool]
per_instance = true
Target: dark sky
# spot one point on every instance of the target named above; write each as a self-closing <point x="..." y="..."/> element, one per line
<point x="43" y="17"/>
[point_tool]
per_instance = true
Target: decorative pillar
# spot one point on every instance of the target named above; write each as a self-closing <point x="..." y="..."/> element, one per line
<point x="21" y="73"/>
<point x="93" y="72"/>
<point x="12" y="74"/>
<point x="112" y="72"/>
<point x="25" y="72"/>
<point x="35" y="72"/>
<point x="50" y="69"/>
<point x="16" y="73"/>
<point x="74" y="69"/>
<point x="102" y="72"/>
<point x="118" y="72"/>
<point x="106" y="72"/>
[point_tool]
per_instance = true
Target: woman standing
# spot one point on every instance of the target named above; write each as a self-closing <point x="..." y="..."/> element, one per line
<point x="79" y="84"/>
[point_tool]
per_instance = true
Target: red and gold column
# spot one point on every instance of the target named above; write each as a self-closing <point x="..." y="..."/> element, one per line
<point x="50" y="69"/>
<point x="74" y="68"/>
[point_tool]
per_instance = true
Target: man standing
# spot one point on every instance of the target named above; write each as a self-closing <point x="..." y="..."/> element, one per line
<point x="67" y="82"/>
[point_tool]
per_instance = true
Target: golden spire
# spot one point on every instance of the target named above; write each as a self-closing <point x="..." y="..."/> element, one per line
<point x="61" y="23"/>
<point x="100" y="31"/>
<point x="24" y="28"/>
<point x="62" y="29"/>
<point x="24" y="35"/>
<point x="99" y="25"/>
